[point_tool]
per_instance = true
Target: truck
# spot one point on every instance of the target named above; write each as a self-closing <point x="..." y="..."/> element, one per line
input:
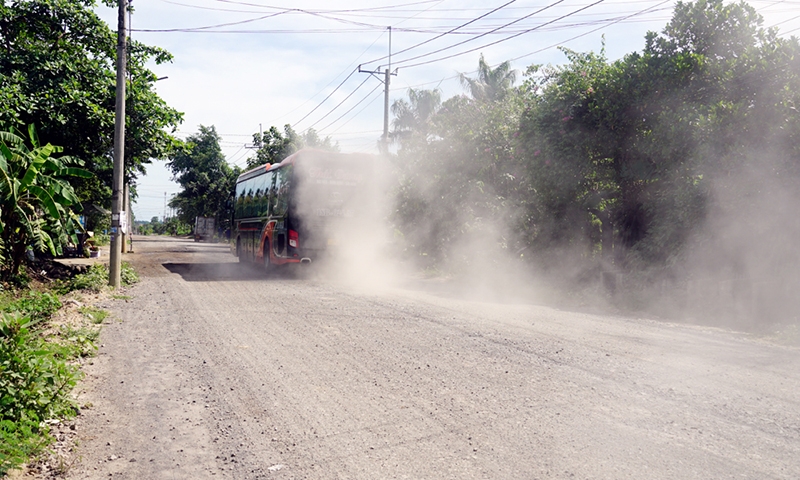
<point x="204" y="229"/>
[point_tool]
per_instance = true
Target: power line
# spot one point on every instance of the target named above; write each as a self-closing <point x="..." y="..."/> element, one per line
<point x="326" y="98"/>
<point x="614" y="21"/>
<point x="482" y="35"/>
<point x="359" y="113"/>
<point x="505" y="39"/>
<point x="331" y="82"/>
<point x="339" y="104"/>
<point x="446" y="33"/>
<point x="351" y="108"/>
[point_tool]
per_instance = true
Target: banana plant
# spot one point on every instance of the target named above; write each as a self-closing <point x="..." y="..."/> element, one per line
<point x="36" y="199"/>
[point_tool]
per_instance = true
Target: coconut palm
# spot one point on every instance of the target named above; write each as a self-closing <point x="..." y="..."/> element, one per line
<point x="414" y="115"/>
<point x="491" y="84"/>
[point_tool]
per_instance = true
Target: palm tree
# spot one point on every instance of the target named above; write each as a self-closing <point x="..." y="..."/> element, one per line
<point x="491" y="84"/>
<point x="414" y="115"/>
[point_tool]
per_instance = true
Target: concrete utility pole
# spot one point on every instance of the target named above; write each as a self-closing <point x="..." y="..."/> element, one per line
<point x="115" y="262"/>
<point x="386" y="82"/>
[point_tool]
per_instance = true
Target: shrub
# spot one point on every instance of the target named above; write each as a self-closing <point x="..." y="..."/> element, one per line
<point x="38" y="306"/>
<point x="128" y="275"/>
<point x="35" y="379"/>
<point x="96" y="278"/>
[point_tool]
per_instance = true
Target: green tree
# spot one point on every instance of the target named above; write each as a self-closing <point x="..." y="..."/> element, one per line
<point x="413" y="117"/>
<point x="57" y="71"/>
<point x="492" y="84"/>
<point x="623" y="155"/>
<point x="206" y="179"/>
<point x="273" y="146"/>
<point x="35" y="199"/>
<point x="458" y="173"/>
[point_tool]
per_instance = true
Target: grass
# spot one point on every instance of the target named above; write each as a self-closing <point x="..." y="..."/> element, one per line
<point x="94" y="314"/>
<point x="96" y="279"/>
<point x="39" y="364"/>
<point x="36" y="377"/>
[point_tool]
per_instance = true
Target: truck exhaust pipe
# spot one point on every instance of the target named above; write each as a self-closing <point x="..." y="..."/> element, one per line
<point x="305" y="260"/>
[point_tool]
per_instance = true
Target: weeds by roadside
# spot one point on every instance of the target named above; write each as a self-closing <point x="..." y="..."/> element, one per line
<point x="40" y="351"/>
<point x="96" y="279"/>
<point x="36" y="377"/>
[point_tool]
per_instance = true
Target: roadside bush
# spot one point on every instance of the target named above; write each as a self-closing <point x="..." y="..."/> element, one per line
<point x="38" y="306"/>
<point x="35" y="379"/>
<point x="128" y="275"/>
<point x="96" y="278"/>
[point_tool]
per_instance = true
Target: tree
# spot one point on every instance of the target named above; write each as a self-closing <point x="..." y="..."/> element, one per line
<point x="624" y="156"/>
<point x="491" y="84"/>
<point x="206" y="178"/>
<point x="272" y="146"/>
<point x="35" y="199"/>
<point x="458" y="173"/>
<point x="57" y="71"/>
<point x="413" y="117"/>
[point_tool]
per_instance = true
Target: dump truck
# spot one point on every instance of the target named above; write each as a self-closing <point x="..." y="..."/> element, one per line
<point x="204" y="229"/>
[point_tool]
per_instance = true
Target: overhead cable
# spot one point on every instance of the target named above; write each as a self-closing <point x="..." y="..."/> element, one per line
<point x="504" y="39"/>
<point x="326" y="98"/>
<point x="445" y="33"/>
<point x="351" y="108"/>
<point x="339" y="104"/>
<point x="484" y="34"/>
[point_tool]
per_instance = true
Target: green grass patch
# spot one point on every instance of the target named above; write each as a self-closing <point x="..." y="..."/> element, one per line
<point x="121" y="297"/>
<point x="94" y="314"/>
<point x="76" y="342"/>
<point x="95" y="279"/>
<point x="36" y="306"/>
<point x="128" y="275"/>
<point x="36" y="377"/>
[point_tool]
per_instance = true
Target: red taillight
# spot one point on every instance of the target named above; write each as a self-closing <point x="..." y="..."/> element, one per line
<point x="293" y="238"/>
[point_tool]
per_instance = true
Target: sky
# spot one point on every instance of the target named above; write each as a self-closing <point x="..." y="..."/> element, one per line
<point x="248" y="65"/>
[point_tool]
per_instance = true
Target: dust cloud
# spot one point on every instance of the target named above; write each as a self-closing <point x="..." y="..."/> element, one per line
<point x="343" y="199"/>
<point x="739" y="268"/>
<point x="743" y="267"/>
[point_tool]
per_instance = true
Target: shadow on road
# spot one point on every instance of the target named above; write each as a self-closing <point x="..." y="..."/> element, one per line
<point x="215" y="271"/>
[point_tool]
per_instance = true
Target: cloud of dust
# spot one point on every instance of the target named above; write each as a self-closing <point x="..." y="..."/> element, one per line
<point x="743" y="267"/>
<point x="344" y="199"/>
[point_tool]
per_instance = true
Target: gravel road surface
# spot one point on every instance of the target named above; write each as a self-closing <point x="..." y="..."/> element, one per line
<point x="214" y="370"/>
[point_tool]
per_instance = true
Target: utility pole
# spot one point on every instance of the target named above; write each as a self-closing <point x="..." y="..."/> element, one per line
<point x="387" y="73"/>
<point x="115" y="261"/>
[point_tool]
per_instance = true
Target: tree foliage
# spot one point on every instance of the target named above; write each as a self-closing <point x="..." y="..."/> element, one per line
<point x="206" y="179"/>
<point x="57" y="71"/>
<point x="623" y="163"/>
<point x="273" y="146"/>
<point x="35" y="199"/>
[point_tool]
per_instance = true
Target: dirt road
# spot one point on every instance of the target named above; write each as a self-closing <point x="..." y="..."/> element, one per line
<point x="216" y="371"/>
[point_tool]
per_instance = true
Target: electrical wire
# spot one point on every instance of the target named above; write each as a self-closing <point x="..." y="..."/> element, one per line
<point x="334" y="79"/>
<point x="338" y="104"/>
<point x="504" y="39"/>
<point x="446" y="33"/>
<point x="351" y="108"/>
<point x="207" y="27"/>
<point x="785" y="21"/>
<point x="482" y="35"/>
<point x="614" y="21"/>
<point x="357" y="114"/>
<point x="326" y="98"/>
